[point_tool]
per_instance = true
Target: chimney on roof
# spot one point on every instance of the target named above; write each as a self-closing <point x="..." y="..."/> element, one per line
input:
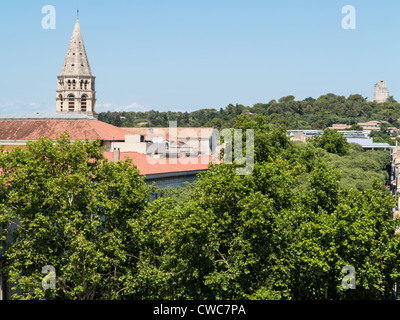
<point x="116" y="155"/>
<point x="199" y="144"/>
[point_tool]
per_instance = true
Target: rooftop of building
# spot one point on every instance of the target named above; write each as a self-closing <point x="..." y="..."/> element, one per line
<point x="372" y="123"/>
<point x="165" y="132"/>
<point x="148" y="165"/>
<point x="80" y="127"/>
<point x="368" y="143"/>
<point x="46" y="116"/>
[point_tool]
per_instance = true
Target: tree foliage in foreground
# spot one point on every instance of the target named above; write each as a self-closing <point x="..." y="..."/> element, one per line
<point x="283" y="232"/>
<point x="179" y="194"/>
<point x="73" y="210"/>
<point x="262" y="237"/>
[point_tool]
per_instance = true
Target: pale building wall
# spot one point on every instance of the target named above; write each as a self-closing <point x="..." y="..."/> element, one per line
<point x="203" y="145"/>
<point x="132" y="144"/>
<point x="299" y="136"/>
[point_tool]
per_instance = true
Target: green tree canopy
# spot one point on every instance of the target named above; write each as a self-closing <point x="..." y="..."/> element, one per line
<point x="356" y="127"/>
<point x="261" y="236"/>
<point x="333" y="142"/>
<point x="71" y="209"/>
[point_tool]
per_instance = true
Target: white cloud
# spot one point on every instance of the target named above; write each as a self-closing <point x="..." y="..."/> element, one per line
<point x="34" y="105"/>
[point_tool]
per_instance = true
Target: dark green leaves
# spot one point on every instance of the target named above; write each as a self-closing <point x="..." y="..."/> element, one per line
<point x="72" y="210"/>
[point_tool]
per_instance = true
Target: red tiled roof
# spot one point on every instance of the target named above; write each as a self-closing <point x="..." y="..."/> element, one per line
<point x="77" y="129"/>
<point x="204" y="133"/>
<point x="148" y="165"/>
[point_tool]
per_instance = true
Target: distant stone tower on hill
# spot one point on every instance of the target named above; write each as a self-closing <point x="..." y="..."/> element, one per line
<point x="76" y="84"/>
<point x="381" y="93"/>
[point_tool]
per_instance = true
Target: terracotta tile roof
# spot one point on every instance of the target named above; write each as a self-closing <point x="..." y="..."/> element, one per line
<point x="372" y="123"/>
<point x="148" y="165"/>
<point x="181" y="132"/>
<point x="142" y="131"/>
<point x="339" y="126"/>
<point x="77" y="129"/>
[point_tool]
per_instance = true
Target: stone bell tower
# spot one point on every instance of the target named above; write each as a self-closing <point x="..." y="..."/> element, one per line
<point x="76" y="84"/>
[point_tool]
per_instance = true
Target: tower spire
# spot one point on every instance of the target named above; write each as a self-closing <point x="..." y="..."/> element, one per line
<point x="76" y="61"/>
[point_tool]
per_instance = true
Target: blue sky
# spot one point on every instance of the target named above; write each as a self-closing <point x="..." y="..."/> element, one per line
<point x="191" y="54"/>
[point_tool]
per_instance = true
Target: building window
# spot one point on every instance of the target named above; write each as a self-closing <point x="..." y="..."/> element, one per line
<point x="71" y="103"/>
<point x="61" y="102"/>
<point x="84" y="103"/>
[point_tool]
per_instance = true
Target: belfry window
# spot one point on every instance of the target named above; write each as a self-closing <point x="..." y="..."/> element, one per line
<point x="71" y="103"/>
<point x="61" y="102"/>
<point x="84" y="103"/>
